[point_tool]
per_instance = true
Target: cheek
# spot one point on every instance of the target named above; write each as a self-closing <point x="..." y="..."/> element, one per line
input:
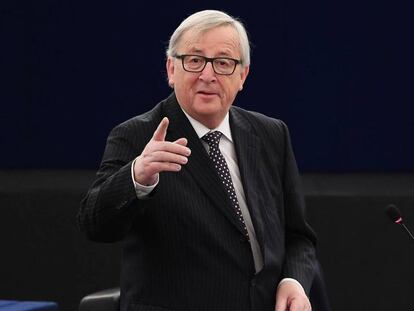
<point x="233" y="87"/>
<point x="191" y="79"/>
<point x="186" y="81"/>
<point x="181" y="82"/>
<point x="184" y="88"/>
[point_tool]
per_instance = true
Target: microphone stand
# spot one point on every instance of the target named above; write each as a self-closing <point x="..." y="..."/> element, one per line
<point x="407" y="230"/>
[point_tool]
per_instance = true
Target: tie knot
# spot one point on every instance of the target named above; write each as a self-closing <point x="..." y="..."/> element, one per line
<point x="212" y="138"/>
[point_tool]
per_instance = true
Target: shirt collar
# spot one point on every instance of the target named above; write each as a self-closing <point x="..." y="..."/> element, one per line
<point x="202" y="130"/>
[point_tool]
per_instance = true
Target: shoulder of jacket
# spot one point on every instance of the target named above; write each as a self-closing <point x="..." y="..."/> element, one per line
<point x="149" y="119"/>
<point x="259" y="120"/>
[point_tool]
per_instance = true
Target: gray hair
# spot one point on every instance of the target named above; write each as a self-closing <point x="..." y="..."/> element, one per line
<point x="205" y="20"/>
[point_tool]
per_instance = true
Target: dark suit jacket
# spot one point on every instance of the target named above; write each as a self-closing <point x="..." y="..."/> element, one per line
<point x="183" y="248"/>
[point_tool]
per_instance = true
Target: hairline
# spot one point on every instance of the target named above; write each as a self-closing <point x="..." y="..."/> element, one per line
<point x="203" y="21"/>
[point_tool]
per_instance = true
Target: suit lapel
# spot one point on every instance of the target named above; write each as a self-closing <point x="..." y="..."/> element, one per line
<point x="248" y="146"/>
<point x="199" y="164"/>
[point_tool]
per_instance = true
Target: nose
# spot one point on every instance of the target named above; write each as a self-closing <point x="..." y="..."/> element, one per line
<point x="208" y="74"/>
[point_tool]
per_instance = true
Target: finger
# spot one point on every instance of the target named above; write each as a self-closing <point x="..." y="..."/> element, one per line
<point x="158" y="167"/>
<point x="161" y="131"/>
<point x="296" y="305"/>
<point x="168" y="157"/>
<point x="281" y="304"/>
<point x="181" y="141"/>
<point x="145" y="170"/>
<point x="168" y="146"/>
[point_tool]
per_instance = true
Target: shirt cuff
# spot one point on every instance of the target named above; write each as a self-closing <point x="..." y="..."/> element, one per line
<point x="290" y="280"/>
<point x="141" y="190"/>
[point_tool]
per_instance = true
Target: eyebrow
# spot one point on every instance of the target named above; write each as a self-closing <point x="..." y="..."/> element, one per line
<point x="221" y="53"/>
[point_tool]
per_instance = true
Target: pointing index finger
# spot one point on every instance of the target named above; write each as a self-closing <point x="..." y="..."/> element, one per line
<point x="161" y="131"/>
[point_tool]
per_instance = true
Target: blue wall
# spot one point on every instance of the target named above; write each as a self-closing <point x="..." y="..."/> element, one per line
<point x="339" y="74"/>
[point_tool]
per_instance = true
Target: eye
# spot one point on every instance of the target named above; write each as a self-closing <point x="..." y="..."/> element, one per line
<point x="194" y="59"/>
<point x="223" y="62"/>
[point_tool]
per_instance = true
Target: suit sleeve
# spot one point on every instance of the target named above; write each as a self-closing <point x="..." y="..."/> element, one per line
<point x="300" y="240"/>
<point x="107" y="212"/>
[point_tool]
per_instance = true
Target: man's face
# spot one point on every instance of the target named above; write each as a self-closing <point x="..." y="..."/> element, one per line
<point x="207" y="96"/>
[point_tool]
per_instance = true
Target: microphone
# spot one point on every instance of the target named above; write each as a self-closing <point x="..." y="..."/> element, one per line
<point x="395" y="215"/>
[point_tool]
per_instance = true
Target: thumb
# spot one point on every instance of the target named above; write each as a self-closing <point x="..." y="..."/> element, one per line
<point x="181" y="141"/>
<point x="161" y="131"/>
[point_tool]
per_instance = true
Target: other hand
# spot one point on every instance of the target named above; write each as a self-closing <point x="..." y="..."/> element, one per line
<point x="291" y="297"/>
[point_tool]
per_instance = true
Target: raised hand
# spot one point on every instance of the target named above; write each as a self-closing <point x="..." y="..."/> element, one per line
<point x="160" y="155"/>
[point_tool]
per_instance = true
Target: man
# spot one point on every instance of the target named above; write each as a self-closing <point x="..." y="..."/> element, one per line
<point x="204" y="195"/>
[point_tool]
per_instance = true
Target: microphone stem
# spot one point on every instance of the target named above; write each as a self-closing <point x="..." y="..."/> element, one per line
<point x="408" y="231"/>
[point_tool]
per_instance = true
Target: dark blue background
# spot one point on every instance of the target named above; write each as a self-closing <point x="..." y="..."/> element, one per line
<point x="339" y="73"/>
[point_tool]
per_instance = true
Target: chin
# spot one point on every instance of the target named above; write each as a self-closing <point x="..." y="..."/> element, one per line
<point x="207" y="101"/>
<point x="207" y="108"/>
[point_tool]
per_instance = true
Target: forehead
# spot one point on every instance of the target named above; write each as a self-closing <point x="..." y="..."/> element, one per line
<point x="222" y="40"/>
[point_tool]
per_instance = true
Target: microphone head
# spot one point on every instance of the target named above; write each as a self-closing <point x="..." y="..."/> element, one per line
<point x="394" y="214"/>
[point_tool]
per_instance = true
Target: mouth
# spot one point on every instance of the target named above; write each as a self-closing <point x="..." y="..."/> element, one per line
<point x="207" y="93"/>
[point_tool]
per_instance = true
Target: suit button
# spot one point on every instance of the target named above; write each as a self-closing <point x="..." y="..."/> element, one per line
<point x="253" y="283"/>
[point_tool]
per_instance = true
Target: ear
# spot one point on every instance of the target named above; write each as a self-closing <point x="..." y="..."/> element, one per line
<point x="170" y="71"/>
<point x="244" y="72"/>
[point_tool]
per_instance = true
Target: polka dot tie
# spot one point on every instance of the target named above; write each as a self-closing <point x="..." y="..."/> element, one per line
<point x="213" y="139"/>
